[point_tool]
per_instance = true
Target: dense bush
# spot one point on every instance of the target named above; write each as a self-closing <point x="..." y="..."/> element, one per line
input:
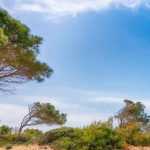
<point x="142" y="139"/>
<point x="5" y="130"/>
<point x="32" y="134"/>
<point x="58" y="134"/>
<point x="97" y="136"/>
<point x="4" y="140"/>
<point x="27" y="137"/>
<point x="133" y="135"/>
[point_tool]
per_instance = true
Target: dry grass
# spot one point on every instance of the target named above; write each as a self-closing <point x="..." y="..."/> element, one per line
<point x="29" y="147"/>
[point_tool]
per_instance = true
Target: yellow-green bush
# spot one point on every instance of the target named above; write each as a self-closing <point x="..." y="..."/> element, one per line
<point x="133" y="135"/>
<point x="97" y="136"/>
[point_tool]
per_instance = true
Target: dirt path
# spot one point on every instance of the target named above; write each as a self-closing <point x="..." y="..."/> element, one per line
<point x="138" y="148"/>
<point x="36" y="147"/>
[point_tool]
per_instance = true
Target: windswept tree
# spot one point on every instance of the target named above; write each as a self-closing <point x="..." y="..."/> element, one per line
<point x="133" y="112"/>
<point x="18" y="53"/>
<point x="42" y="113"/>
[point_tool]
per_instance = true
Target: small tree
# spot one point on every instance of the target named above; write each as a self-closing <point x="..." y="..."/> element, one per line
<point x="42" y="113"/>
<point x="131" y="113"/>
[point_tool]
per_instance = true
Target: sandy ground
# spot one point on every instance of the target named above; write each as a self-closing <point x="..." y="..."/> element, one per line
<point x="33" y="147"/>
<point x="138" y="148"/>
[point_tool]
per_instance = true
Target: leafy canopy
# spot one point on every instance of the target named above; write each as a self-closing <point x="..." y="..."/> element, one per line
<point x="131" y="113"/>
<point x="42" y="113"/>
<point x="18" y="53"/>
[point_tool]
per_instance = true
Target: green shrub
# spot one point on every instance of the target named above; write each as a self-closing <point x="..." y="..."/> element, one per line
<point x="97" y="136"/>
<point x="4" y="140"/>
<point x="59" y="133"/>
<point x="5" y="130"/>
<point x="32" y="135"/>
<point x="133" y="135"/>
<point x="142" y="139"/>
<point x="20" y="139"/>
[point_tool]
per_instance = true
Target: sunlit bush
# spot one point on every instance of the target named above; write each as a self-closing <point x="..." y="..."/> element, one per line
<point x="133" y="135"/>
<point x="97" y="136"/>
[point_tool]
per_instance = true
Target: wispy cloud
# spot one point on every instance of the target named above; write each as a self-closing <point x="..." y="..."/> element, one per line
<point x="11" y="114"/>
<point x="82" y="106"/>
<point x="57" y="8"/>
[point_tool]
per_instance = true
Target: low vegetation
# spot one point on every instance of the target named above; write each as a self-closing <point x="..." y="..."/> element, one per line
<point x="97" y="136"/>
<point x="132" y="129"/>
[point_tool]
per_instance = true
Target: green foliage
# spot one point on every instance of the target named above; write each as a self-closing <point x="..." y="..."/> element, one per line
<point x="47" y="113"/>
<point x="133" y="135"/>
<point x="18" y="53"/>
<point x="42" y="113"/>
<point x="6" y="139"/>
<point x="3" y="38"/>
<point x="4" y="130"/>
<point x="97" y="136"/>
<point x="22" y="139"/>
<point x="59" y="133"/>
<point x="32" y="134"/>
<point x="134" y="124"/>
<point x="142" y="139"/>
<point x="133" y="112"/>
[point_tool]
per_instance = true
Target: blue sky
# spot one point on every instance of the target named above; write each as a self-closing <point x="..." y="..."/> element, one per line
<point x="99" y="51"/>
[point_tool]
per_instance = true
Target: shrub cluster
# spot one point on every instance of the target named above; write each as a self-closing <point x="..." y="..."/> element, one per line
<point x="97" y="136"/>
<point x="29" y="136"/>
<point x="133" y="135"/>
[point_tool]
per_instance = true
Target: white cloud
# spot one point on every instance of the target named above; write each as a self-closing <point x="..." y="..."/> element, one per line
<point x="58" y="8"/>
<point x="87" y="107"/>
<point x="80" y="119"/>
<point x="78" y="113"/>
<point x="82" y="106"/>
<point x="64" y="7"/>
<point x="11" y="114"/>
